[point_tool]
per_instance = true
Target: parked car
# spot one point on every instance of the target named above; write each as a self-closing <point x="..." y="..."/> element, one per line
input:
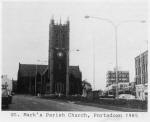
<point x="126" y="96"/>
<point x="5" y="98"/>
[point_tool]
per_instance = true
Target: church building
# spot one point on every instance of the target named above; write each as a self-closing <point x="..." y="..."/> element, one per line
<point x="57" y="77"/>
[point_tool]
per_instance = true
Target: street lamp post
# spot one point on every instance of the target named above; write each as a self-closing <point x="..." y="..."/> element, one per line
<point x="93" y="64"/>
<point x="115" y="28"/>
<point x="41" y="61"/>
<point x="35" y="77"/>
<point x="67" y="74"/>
<point x="116" y="40"/>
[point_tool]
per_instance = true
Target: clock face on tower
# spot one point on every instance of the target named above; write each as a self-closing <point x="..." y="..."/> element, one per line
<point x="60" y="54"/>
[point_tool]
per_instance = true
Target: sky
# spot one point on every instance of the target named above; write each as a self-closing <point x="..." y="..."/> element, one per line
<point x="25" y="35"/>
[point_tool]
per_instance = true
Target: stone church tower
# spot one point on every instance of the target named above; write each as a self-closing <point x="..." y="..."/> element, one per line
<point x="58" y="64"/>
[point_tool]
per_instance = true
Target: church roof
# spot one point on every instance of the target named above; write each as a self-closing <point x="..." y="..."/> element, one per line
<point x="75" y="71"/>
<point x="30" y="70"/>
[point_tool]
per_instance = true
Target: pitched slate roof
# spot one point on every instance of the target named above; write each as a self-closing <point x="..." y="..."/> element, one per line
<point x="75" y="71"/>
<point x="30" y="69"/>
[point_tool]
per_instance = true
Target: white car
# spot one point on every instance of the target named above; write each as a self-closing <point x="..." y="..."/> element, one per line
<point x="126" y="96"/>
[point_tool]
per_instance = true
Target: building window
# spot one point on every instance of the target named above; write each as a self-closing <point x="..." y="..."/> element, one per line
<point x="146" y="78"/>
<point x="140" y="80"/>
<point x="146" y="67"/>
<point x="47" y="88"/>
<point x="139" y="71"/>
<point x="59" y="66"/>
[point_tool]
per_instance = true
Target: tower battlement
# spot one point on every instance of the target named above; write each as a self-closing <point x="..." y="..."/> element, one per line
<point x="59" y="23"/>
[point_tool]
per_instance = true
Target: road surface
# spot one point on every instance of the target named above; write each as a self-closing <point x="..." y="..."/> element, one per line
<point x="32" y="103"/>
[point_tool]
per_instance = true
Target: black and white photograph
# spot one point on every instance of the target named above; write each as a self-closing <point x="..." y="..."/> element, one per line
<point x="74" y="56"/>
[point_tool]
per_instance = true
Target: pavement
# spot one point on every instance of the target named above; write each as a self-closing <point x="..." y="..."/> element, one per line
<point x="110" y="107"/>
<point x="33" y="103"/>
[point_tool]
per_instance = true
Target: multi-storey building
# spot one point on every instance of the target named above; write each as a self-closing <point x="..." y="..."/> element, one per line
<point x="141" y="75"/>
<point x="123" y="82"/>
<point x="123" y="77"/>
<point x="6" y="83"/>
